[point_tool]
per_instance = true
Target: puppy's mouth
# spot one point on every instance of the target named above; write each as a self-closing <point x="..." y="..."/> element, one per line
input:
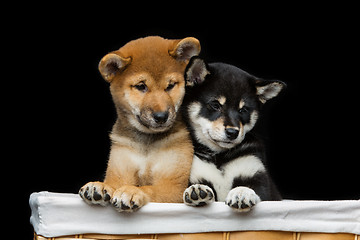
<point x="153" y="126"/>
<point x="221" y="143"/>
<point x="224" y="144"/>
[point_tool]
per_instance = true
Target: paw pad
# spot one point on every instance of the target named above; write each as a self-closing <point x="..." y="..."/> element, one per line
<point x="124" y="207"/>
<point x="96" y="193"/>
<point x="198" y="195"/>
<point x="242" y="199"/>
<point x="129" y="199"/>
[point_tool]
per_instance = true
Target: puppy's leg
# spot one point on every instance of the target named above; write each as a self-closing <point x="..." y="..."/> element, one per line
<point x="198" y="195"/>
<point x="129" y="199"/>
<point x="170" y="176"/>
<point x="122" y="174"/>
<point x="167" y="189"/>
<point x="242" y="199"/>
<point x="96" y="193"/>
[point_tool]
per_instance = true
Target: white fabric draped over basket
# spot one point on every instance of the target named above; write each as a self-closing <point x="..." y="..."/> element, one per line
<point x="58" y="214"/>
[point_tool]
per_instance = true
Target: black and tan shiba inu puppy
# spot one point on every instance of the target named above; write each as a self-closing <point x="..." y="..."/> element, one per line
<point x="151" y="152"/>
<point x="221" y="108"/>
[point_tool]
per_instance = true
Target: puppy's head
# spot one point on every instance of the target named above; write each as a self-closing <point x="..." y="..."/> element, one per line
<point x="223" y="102"/>
<point x="146" y="79"/>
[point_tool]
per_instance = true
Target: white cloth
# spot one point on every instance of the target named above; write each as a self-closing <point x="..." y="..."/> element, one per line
<point x="57" y="214"/>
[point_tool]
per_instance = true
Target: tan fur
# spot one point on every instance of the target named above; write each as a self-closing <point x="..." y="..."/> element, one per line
<point x="161" y="169"/>
<point x="147" y="162"/>
<point x="221" y="100"/>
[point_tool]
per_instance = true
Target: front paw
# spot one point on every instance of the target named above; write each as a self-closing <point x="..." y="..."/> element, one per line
<point x="129" y="199"/>
<point x="242" y="199"/>
<point x="198" y="195"/>
<point x="96" y="193"/>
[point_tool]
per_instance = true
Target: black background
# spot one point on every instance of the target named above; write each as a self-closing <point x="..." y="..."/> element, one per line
<point x="63" y="112"/>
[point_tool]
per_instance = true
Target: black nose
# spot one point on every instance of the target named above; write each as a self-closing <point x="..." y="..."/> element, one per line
<point x="231" y="133"/>
<point x="160" y="117"/>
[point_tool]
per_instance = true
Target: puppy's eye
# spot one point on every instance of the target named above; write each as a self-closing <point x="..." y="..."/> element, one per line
<point x="141" y="87"/>
<point x="170" y="86"/>
<point x="214" y="105"/>
<point x="243" y="110"/>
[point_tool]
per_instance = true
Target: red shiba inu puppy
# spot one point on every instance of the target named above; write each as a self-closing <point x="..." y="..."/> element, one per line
<point x="151" y="152"/>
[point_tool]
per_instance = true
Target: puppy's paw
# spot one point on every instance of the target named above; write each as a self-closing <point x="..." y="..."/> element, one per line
<point x="198" y="195"/>
<point x="129" y="199"/>
<point x="96" y="193"/>
<point x="242" y="199"/>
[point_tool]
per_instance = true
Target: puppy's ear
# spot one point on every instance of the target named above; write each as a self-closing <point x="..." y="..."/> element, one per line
<point x="196" y="71"/>
<point x="267" y="89"/>
<point x="112" y="63"/>
<point x="184" y="49"/>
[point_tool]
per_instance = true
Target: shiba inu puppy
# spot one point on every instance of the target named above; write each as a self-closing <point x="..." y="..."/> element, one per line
<point x="151" y="152"/>
<point x="221" y="108"/>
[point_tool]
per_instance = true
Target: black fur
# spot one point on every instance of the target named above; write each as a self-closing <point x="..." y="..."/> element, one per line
<point x="206" y="84"/>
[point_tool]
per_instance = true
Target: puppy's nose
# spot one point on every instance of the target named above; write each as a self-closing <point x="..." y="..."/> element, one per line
<point x="160" y="117"/>
<point x="231" y="133"/>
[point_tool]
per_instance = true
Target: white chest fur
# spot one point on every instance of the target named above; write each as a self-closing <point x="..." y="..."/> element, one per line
<point x="130" y="158"/>
<point x="222" y="179"/>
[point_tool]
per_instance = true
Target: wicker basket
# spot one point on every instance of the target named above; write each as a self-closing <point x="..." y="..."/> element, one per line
<point x="253" y="235"/>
